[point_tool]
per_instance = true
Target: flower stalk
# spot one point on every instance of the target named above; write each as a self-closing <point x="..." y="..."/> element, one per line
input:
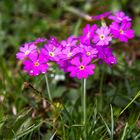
<point x="48" y="88"/>
<point x="84" y="103"/>
<point x="84" y="106"/>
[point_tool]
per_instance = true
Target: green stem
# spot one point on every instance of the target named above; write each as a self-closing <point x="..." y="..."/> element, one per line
<point x="84" y="107"/>
<point x="84" y="103"/>
<point x="48" y="88"/>
<point x="77" y="12"/>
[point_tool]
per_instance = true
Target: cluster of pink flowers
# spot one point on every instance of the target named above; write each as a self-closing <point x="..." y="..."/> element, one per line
<point x="76" y="55"/>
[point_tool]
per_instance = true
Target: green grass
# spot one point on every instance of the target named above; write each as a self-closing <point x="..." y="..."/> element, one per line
<point x="112" y="93"/>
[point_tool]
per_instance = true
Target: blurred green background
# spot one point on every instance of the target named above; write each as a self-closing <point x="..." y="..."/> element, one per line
<point x="23" y="112"/>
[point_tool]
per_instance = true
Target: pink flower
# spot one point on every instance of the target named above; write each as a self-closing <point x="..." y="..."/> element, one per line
<point x="89" y="51"/>
<point x="63" y="64"/>
<point x="105" y="54"/>
<point x="53" y="41"/>
<point x="120" y="17"/>
<point x="80" y="67"/>
<point x="35" y="64"/>
<point x="88" y="33"/>
<point x="52" y="51"/>
<point x="25" y="50"/>
<point x="71" y="41"/>
<point x="123" y="31"/>
<point x="101" y="16"/>
<point x="40" y="40"/>
<point x="102" y="36"/>
<point x="69" y="52"/>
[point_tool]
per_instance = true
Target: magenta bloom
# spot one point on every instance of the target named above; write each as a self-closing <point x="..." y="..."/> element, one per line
<point x="76" y="54"/>
<point x="69" y="52"/>
<point x="102" y="36"/>
<point x="71" y="41"/>
<point x="101" y="16"/>
<point x="120" y="17"/>
<point x="123" y="31"/>
<point x="63" y="64"/>
<point x="40" y="40"/>
<point x="81" y="67"/>
<point x="88" y="33"/>
<point x="52" y="51"/>
<point x="36" y="64"/>
<point x="105" y="54"/>
<point x="53" y="41"/>
<point x="89" y="51"/>
<point x="25" y="50"/>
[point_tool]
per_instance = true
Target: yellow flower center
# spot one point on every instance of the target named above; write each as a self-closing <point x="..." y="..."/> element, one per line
<point x="51" y="54"/>
<point x="81" y="67"/>
<point x="88" y="35"/>
<point x="27" y="52"/>
<point x="69" y="54"/>
<point x="102" y="37"/>
<point x="121" y="31"/>
<point x="88" y="53"/>
<point x="36" y="64"/>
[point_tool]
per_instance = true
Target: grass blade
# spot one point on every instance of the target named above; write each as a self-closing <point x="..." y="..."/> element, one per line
<point x="112" y="122"/>
<point x="52" y="136"/>
<point x="108" y="129"/>
<point x="137" y="95"/>
<point x="124" y="132"/>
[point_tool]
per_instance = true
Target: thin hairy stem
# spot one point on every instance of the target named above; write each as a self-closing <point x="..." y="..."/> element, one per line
<point x="48" y="88"/>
